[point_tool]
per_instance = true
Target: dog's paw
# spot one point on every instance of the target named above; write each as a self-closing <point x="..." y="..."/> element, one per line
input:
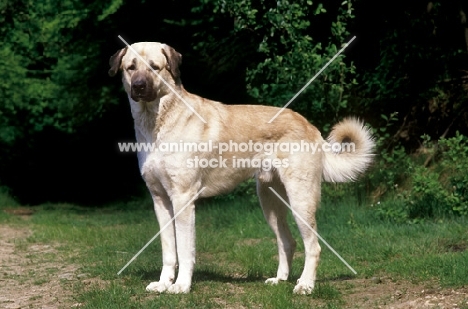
<point x="158" y="286"/>
<point x="272" y="281"/>
<point x="178" y="288"/>
<point x="304" y="288"/>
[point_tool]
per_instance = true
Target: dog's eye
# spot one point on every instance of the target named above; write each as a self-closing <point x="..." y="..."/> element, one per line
<point x="131" y="67"/>
<point x="154" y="66"/>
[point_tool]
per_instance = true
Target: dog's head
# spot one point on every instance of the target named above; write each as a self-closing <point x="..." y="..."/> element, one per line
<point x="139" y="80"/>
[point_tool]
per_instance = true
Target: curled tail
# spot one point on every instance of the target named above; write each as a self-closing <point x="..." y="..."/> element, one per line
<point x="351" y="146"/>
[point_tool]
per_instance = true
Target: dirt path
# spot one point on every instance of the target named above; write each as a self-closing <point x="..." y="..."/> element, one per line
<point x="386" y="293"/>
<point x="37" y="276"/>
<point x="33" y="275"/>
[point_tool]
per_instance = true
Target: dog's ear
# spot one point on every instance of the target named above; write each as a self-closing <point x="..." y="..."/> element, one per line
<point x="174" y="60"/>
<point x="116" y="60"/>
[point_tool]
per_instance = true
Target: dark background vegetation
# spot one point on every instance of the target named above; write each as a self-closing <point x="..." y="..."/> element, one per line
<point x="61" y="116"/>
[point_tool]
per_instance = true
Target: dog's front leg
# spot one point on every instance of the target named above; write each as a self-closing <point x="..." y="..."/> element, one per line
<point x="185" y="239"/>
<point x="165" y="214"/>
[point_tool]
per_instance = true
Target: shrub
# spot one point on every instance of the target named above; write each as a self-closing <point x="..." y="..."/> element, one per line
<point x="455" y="164"/>
<point x="432" y="191"/>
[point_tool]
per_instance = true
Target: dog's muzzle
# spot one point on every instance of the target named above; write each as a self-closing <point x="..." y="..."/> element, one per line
<point x="141" y="90"/>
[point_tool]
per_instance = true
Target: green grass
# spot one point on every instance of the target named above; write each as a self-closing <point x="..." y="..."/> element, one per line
<point x="236" y="252"/>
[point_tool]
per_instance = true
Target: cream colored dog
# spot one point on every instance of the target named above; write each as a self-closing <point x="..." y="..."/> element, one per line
<point x="173" y="178"/>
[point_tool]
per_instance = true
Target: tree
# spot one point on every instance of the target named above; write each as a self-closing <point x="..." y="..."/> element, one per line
<point x="50" y="87"/>
<point x="286" y="43"/>
<point x="43" y="57"/>
<point x="415" y="63"/>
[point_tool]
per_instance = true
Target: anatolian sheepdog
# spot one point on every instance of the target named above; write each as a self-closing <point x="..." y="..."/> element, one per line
<point x="175" y="177"/>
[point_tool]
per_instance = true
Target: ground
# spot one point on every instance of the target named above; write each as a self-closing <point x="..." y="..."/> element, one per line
<point x="386" y="293"/>
<point x="34" y="275"/>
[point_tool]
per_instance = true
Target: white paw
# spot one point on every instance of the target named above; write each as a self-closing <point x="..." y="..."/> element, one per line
<point x="272" y="281"/>
<point x="303" y="288"/>
<point x="158" y="286"/>
<point x="178" y="288"/>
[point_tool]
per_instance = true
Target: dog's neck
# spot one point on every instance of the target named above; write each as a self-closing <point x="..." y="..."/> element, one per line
<point x="144" y="116"/>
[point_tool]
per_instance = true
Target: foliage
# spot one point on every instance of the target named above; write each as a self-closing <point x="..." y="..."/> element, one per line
<point x="455" y="164"/>
<point x="54" y="88"/>
<point x="290" y="57"/>
<point x="47" y="79"/>
<point x="404" y="74"/>
<point x="416" y="65"/>
<point x="6" y="200"/>
<point x="391" y="163"/>
<point x="287" y="50"/>
<point x="433" y="192"/>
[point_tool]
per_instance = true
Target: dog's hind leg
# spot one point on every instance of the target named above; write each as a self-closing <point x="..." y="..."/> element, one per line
<point x="275" y="213"/>
<point x="304" y="197"/>
<point x="164" y="214"/>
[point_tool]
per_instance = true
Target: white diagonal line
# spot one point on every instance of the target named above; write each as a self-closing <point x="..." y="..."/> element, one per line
<point x="311" y="80"/>
<point x="160" y="231"/>
<point x="314" y="231"/>
<point x="163" y="80"/>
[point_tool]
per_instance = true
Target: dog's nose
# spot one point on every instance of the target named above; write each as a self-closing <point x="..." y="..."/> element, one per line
<point x="139" y="85"/>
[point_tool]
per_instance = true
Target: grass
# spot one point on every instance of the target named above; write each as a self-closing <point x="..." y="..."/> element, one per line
<point x="236" y="252"/>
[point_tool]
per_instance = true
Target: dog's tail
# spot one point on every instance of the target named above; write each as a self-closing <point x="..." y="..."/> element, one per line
<point x="349" y="151"/>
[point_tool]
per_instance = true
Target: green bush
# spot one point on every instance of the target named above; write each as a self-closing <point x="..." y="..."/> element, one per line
<point x="455" y="164"/>
<point x="282" y="48"/>
<point x="432" y="191"/>
<point x="6" y="200"/>
<point x="49" y="61"/>
<point x="391" y="162"/>
<point x="427" y="197"/>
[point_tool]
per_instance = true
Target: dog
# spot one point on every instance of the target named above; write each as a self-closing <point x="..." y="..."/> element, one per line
<point x="164" y="112"/>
